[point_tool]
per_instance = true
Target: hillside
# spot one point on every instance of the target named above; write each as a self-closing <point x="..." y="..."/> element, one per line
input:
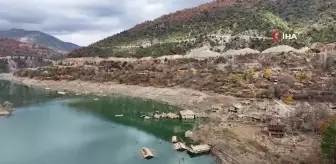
<point x="37" y="37"/>
<point x="222" y="25"/>
<point x="11" y="47"/>
<point x="294" y="78"/>
<point x="24" y="55"/>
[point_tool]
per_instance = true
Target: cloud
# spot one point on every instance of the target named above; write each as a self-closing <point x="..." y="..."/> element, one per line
<point x="84" y="22"/>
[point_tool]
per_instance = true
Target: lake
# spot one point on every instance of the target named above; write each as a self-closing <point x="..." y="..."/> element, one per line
<point x="47" y="128"/>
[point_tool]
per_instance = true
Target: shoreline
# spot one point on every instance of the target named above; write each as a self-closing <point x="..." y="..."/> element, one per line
<point x="180" y="97"/>
<point x="233" y="142"/>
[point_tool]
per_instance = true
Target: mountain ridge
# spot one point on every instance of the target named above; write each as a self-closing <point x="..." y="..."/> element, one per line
<point x="38" y="37"/>
<point x="11" y="47"/>
<point x="210" y="23"/>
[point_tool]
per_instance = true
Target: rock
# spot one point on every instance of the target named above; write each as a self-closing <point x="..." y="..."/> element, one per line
<point x="164" y="115"/>
<point x="61" y="93"/>
<point x="244" y="51"/>
<point x="188" y="134"/>
<point x="316" y="46"/>
<point x="157" y="116"/>
<point x="4" y="112"/>
<point x="201" y="53"/>
<point x="279" y="49"/>
<point x="7" y="105"/>
<point x="147" y="117"/>
<point x="173" y="115"/>
<point x="303" y="50"/>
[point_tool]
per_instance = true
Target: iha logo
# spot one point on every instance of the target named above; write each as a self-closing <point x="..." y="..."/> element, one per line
<point x="278" y="36"/>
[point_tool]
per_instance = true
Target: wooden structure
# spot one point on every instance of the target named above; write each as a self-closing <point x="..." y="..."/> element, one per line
<point x="146" y="153"/>
<point x="180" y="146"/>
<point x="199" y="149"/>
<point x="235" y="108"/>
<point x="251" y="117"/>
<point x="276" y="128"/>
<point x="174" y="139"/>
<point x="216" y="108"/>
<point x="187" y="114"/>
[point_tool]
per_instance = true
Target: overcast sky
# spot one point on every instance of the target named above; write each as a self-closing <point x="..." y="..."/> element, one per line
<point x="84" y="21"/>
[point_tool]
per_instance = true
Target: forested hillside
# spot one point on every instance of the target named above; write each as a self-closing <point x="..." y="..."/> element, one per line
<point x="222" y="25"/>
<point x="37" y="37"/>
<point x="10" y="47"/>
<point x="16" y="55"/>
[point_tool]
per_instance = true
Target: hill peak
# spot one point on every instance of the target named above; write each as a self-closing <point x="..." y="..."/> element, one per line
<point x="11" y="47"/>
<point x="38" y="37"/>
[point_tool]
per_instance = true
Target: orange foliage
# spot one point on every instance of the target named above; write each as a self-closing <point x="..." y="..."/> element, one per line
<point x="187" y="14"/>
<point x="13" y="47"/>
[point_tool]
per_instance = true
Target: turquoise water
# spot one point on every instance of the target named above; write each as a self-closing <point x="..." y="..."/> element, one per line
<point x="60" y="130"/>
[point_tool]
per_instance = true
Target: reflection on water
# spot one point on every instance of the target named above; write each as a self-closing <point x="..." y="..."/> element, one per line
<point x="19" y="94"/>
<point x="86" y="131"/>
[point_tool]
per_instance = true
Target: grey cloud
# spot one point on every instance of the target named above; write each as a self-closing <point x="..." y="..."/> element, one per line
<point x="103" y="10"/>
<point x="21" y="15"/>
<point x="76" y="16"/>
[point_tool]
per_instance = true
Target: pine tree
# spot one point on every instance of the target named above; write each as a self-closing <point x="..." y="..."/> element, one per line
<point x="328" y="145"/>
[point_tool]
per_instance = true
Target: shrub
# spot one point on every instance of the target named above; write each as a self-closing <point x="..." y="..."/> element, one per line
<point x="300" y="76"/>
<point x="288" y="100"/>
<point x="328" y="145"/>
<point x="267" y="74"/>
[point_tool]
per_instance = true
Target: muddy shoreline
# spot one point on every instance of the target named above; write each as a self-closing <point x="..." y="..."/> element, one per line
<point x="180" y="97"/>
<point x="234" y="142"/>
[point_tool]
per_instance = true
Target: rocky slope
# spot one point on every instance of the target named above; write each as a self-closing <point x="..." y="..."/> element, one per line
<point x="37" y="37"/>
<point x="292" y="77"/>
<point x="15" y="55"/>
<point x="307" y="76"/>
<point x="222" y="25"/>
<point x="10" y="47"/>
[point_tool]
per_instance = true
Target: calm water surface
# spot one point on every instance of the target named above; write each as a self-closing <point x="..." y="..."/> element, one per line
<point x="82" y="131"/>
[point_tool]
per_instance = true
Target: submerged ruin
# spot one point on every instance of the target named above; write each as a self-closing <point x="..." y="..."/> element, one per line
<point x="147" y="153"/>
<point x="6" y="108"/>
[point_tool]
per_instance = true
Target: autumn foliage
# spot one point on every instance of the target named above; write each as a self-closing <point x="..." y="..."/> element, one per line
<point x="267" y="74"/>
<point x="288" y="100"/>
<point x="10" y="47"/>
<point x="187" y="14"/>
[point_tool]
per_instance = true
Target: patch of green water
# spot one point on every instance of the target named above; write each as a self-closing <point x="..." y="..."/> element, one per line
<point x="132" y="109"/>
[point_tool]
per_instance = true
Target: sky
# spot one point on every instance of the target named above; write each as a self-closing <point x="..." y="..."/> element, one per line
<point x="84" y="21"/>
